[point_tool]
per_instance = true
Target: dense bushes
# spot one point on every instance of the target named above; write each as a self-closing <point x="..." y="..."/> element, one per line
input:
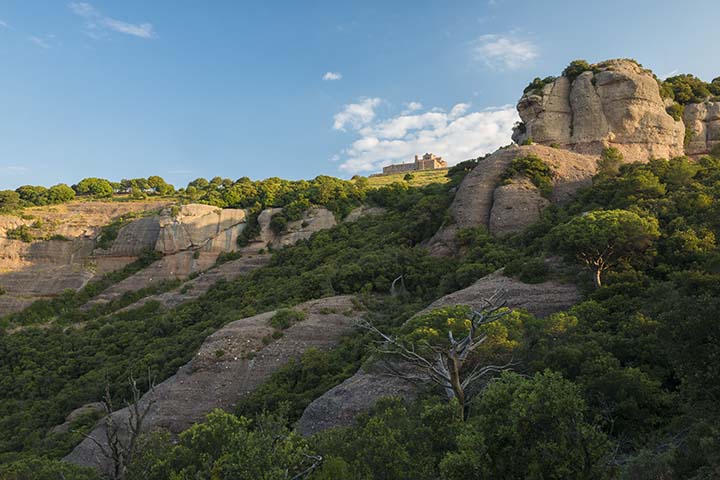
<point x="687" y="88"/>
<point x="534" y="168"/>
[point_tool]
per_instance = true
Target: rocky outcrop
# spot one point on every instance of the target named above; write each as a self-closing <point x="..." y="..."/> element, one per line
<point x="313" y="220"/>
<point x="703" y="123"/>
<point x="515" y="206"/>
<point x="540" y="299"/>
<point x="199" y="226"/>
<point x="340" y="405"/>
<point x="198" y="286"/>
<point x="95" y="408"/>
<point x="481" y="200"/>
<point x="364" y="211"/>
<point x="231" y="363"/>
<point x="618" y="104"/>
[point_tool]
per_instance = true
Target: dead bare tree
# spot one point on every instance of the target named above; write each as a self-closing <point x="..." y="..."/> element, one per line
<point x="121" y="437"/>
<point x="448" y="365"/>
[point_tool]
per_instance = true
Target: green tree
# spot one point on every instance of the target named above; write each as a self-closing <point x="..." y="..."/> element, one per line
<point x="575" y="68"/>
<point x="34" y="195"/>
<point x="610" y="161"/>
<point x="226" y="447"/>
<point x="96" y="187"/>
<point x="60" y="193"/>
<point x="602" y="238"/>
<point x="160" y="186"/>
<point x="529" y="428"/>
<point x="9" y="200"/>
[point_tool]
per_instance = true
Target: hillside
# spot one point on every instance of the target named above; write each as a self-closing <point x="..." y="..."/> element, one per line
<point x="259" y="327"/>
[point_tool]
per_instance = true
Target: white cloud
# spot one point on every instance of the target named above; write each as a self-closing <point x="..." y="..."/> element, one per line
<point x="503" y="52"/>
<point x="39" y="42"/>
<point x="356" y="115"/>
<point x="412" y="107"/>
<point x="97" y="20"/>
<point x="330" y="76"/>
<point x="4" y="24"/>
<point x="457" y="135"/>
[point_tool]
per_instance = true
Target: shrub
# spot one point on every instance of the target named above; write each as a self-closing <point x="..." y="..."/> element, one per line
<point x="575" y="68"/>
<point x="676" y="111"/>
<point x="537" y="85"/>
<point x="285" y="317"/>
<point x="20" y="233"/>
<point x="278" y="223"/>
<point x="408" y="177"/>
<point x="610" y="161"/>
<point x="534" y="169"/>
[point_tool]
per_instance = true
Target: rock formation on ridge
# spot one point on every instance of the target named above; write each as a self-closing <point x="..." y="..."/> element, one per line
<point x="617" y="104"/>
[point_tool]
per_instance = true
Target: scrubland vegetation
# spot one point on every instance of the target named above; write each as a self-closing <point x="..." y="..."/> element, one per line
<point x="624" y="384"/>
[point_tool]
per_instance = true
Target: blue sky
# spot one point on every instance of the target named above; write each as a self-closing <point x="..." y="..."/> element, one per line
<point x="183" y="88"/>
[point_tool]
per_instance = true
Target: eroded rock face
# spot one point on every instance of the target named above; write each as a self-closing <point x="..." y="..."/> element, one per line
<point x="703" y="121"/>
<point x="314" y="220"/>
<point x="340" y="405"/>
<point x="196" y="226"/>
<point x="619" y="106"/>
<point x="515" y="206"/>
<point x="222" y="372"/>
<point x="474" y="204"/>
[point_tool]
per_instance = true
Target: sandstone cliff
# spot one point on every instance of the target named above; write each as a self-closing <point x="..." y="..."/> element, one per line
<point x="190" y="237"/>
<point x="616" y="104"/>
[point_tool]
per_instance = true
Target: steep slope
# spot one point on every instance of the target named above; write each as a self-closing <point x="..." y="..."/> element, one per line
<point x="230" y="364"/>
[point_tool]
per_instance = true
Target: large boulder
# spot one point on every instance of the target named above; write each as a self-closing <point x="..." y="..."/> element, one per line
<point x="617" y="104"/>
<point x="230" y="364"/>
<point x="703" y="123"/>
<point x="339" y="406"/>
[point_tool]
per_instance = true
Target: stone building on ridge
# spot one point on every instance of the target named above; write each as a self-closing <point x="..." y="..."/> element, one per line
<point x="426" y="162"/>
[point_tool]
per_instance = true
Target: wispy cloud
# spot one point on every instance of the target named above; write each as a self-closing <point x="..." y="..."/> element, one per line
<point x="39" y="42"/>
<point x="330" y="76"/>
<point x="14" y="169"/>
<point x="356" y="115"/>
<point x="96" y="20"/>
<point x="4" y="24"/>
<point x="456" y="135"/>
<point x="502" y="52"/>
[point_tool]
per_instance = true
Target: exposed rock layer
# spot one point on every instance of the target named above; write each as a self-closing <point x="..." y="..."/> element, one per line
<point x="222" y="372"/>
